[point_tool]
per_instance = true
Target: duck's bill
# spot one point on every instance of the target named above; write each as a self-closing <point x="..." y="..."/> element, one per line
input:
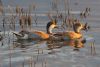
<point x="86" y="27"/>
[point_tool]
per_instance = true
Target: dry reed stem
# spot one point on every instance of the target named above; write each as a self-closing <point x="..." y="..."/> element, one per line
<point x="34" y="63"/>
<point x="93" y="51"/>
<point x="30" y="62"/>
<point x="9" y="53"/>
<point x="45" y="63"/>
<point x="23" y="64"/>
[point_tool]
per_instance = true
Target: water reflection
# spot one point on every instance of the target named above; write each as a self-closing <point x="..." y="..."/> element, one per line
<point x="76" y="44"/>
<point x="24" y="43"/>
<point x="73" y="43"/>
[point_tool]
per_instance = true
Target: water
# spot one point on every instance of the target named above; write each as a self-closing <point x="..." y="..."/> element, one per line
<point x="40" y="52"/>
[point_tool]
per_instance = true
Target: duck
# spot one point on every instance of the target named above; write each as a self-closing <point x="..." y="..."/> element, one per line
<point x="75" y="34"/>
<point x="35" y="34"/>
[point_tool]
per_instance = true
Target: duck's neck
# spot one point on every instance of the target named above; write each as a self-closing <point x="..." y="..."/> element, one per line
<point x="49" y="29"/>
<point x="77" y="30"/>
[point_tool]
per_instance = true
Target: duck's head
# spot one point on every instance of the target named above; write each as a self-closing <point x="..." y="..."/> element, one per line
<point x="22" y="34"/>
<point x="79" y="26"/>
<point x="51" y="25"/>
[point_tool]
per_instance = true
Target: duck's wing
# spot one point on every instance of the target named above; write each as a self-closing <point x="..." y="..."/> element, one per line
<point x="41" y="34"/>
<point x="68" y="35"/>
<point x="73" y="35"/>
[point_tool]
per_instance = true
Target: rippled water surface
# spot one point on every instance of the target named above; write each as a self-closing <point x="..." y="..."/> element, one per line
<point x="28" y="53"/>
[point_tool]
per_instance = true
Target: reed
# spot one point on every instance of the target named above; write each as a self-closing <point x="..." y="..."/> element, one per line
<point x="10" y="55"/>
<point x="18" y="10"/>
<point x="42" y="51"/>
<point x="29" y="18"/>
<point x="93" y="51"/>
<point x="1" y="8"/>
<point x="45" y="63"/>
<point x="21" y="22"/>
<point x="34" y="64"/>
<point x="37" y="55"/>
<point x="42" y="64"/>
<point x="30" y="62"/>
<point x="4" y="28"/>
<point x="55" y="7"/>
<point x="23" y="63"/>
<point x="85" y="13"/>
<point x="35" y="17"/>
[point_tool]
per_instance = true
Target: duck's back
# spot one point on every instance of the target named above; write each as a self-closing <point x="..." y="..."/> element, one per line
<point x="43" y="35"/>
<point x="72" y="35"/>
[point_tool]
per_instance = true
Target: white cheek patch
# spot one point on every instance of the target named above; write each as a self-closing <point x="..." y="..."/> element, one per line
<point x="51" y="27"/>
<point x="80" y="28"/>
